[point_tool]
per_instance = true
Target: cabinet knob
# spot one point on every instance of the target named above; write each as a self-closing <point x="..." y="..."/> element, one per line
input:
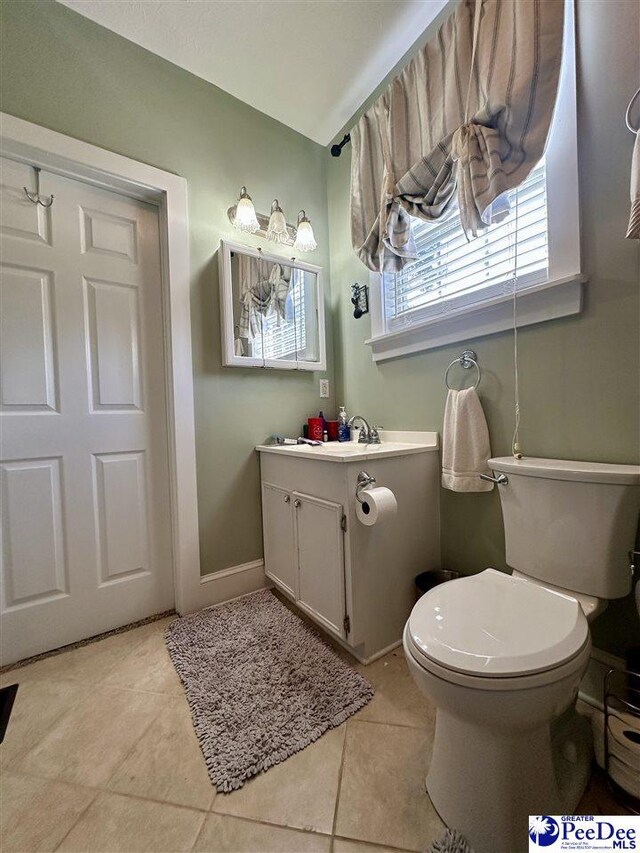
<point x="287" y="499"/>
<point x="296" y="503"/>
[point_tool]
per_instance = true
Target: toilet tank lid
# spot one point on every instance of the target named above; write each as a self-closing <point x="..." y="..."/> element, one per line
<point x="563" y="469"/>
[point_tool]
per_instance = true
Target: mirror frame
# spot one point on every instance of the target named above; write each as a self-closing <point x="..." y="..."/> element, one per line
<point x="229" y="358"/>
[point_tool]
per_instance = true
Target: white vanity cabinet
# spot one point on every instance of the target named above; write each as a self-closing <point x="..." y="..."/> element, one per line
<point x="355" y="581"/>
<point x="304" y="552"/>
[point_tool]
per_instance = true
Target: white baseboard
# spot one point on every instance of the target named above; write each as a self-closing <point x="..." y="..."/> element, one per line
<point x="233" y="582"/>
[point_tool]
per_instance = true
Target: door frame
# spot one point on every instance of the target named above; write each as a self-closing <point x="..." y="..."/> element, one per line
<point x="55" y="152"/>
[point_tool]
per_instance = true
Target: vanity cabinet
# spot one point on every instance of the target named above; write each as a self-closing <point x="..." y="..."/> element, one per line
<point x="356" y="582"/>
<point x="304" y="553"/>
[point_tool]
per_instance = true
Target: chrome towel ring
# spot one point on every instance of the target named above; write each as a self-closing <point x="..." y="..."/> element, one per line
<point x="467" y="360"/>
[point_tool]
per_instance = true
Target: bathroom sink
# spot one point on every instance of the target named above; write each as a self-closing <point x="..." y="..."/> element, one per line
<point x="393" y="443"/>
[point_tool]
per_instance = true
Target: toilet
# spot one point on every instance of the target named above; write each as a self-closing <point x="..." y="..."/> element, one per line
<point x="501" y="656"/>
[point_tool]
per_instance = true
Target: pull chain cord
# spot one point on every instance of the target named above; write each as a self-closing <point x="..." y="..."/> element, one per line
<point x="515" y="444"/>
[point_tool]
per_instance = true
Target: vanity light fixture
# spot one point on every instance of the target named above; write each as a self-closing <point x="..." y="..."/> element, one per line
<point x="305" y="241"/>
<point x="277" y="228"/>
<point x="245" y="218"/>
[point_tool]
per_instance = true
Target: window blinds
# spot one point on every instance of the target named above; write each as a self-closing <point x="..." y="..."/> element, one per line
<point x="284" y="339"/>
<point x="452" y="272"/>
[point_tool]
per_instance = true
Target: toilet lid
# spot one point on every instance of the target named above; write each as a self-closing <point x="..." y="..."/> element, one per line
<point x="495" y="625"/>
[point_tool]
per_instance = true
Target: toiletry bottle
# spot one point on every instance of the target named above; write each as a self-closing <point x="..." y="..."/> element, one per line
<point x="344" y="432"/>
<point x="325" y="436"/>
<point x="324" y="421"/>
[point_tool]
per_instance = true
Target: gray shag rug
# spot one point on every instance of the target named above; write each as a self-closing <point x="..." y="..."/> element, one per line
<point x="260" y="683"/>
<point x="451" y="842"/>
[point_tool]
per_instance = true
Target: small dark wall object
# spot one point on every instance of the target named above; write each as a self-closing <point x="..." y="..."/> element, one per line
<point x="7" y="697"/>
<point x="360" y="299"/>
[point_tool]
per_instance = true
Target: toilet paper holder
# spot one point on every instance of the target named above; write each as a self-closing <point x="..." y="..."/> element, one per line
<point x="364" y="480"/>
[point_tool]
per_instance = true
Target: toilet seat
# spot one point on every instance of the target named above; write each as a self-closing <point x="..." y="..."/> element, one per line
<point x="494" y="626"/>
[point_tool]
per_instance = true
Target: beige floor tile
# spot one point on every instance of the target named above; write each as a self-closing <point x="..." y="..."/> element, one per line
<point x="382" y="795"/>
<point x="88" y="743"/>
<point x="341" y="845"/>
<point x="147" y="667"/>
<point x="397" y="700"/>
<point x="38" y="705"/>
<point x="223" y="834"/>
<point x="167" y="764"/>
<point x="300" y="792"/>
<point x="91" y="663"/>
<point x="116" y="823"/>
<point x="36" y="814"/>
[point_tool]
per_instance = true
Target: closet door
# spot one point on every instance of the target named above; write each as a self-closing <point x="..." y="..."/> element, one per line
<point x="279" y="544"/>
<point x="319" y="536"/>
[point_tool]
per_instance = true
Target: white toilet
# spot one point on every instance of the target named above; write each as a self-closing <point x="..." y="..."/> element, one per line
<point x="502" y="656"/>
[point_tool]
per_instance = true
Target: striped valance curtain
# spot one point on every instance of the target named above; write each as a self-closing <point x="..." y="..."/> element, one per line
<point x="439" y="126"/>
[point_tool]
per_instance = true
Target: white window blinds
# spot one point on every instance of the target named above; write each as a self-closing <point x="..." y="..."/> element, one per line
<point x="452" y="273"/>
<point x="283" y="339"/>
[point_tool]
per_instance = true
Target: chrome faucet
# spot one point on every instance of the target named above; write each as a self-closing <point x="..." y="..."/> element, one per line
<point x="368" y="435"/>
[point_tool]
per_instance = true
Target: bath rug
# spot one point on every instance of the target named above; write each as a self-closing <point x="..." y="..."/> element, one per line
<point x="451" y="842"/>
<point x="261" y="685"/>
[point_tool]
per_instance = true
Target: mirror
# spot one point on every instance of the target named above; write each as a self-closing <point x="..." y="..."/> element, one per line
<point x="272" y="310"/>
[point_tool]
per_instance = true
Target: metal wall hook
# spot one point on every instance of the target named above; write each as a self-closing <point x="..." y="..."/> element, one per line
<point x="35" y="197"/>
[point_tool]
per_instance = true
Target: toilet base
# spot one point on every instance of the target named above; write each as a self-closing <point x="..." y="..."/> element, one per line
<point x="486" y="784"/>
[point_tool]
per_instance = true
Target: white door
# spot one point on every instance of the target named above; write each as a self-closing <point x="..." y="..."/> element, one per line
<point x="86" y="526"/>
<point x="320" y="545"/>
<point x="279" y="546"/>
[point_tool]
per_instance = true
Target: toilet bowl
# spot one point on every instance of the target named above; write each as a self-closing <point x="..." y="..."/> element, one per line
<point x="502" y="660"/>
<point x="501" y="656"/>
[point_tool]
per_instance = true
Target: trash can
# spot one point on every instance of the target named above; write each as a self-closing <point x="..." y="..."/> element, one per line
<point x="427" y="580"/>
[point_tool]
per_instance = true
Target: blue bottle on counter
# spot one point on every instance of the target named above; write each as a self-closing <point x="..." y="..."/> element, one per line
<point x="344" y="430"/>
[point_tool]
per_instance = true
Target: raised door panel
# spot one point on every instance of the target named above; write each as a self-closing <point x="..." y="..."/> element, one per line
<point x="121" y="515"/>
<point x="279" y="546"/>
<point x="27" y="348"/>
<point x="107" y="234"/>
<point x="321" y="560"/>
<point x="113" y="341"/>
<point x="33" y="541"/>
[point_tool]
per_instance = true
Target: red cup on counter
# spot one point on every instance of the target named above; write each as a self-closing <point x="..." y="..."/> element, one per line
<point x="316" y="428"/>
<point x="332" y="430"/>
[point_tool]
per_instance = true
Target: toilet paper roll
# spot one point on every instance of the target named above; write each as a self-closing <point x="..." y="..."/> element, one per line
<point x="377" y="504"/>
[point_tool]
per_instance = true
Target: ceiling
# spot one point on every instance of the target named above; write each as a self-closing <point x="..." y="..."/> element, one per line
<point x="307" y="63"/>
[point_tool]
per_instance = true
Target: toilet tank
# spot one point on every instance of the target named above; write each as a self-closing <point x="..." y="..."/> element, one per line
<point x="570" y="524"/>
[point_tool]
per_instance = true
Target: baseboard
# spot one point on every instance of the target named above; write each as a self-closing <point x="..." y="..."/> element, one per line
<point x="592" y="684"/>
<point x="233" y="582"/>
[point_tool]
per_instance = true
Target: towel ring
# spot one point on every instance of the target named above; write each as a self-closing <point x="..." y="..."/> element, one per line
<point x="634" y="100"/>
<point x="467" y="360"/>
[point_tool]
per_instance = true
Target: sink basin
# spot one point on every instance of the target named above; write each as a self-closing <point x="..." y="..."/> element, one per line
<point x="393" y="443"/>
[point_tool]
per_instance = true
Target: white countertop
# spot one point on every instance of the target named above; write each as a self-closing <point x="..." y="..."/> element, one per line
<point x="393" y="443"/>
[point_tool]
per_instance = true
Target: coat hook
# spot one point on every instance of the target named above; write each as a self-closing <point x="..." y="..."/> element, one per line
<point x="36" y="198"/>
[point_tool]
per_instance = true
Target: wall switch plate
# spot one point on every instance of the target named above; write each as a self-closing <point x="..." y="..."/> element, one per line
<point x="324" y="388"/>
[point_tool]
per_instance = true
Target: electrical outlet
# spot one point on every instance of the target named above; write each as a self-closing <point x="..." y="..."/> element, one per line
<point x="324" y="388"/>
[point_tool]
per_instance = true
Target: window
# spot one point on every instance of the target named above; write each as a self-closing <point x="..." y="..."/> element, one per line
<point x="285" y="339"/>
<point x="457" y="289"/>
<point x="452" y="273"/>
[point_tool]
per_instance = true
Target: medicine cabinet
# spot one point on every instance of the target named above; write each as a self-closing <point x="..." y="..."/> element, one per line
<point x="272" y="310"/>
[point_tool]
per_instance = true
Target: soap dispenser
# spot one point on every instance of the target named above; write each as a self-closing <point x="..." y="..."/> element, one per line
<point x="344" y="430"/>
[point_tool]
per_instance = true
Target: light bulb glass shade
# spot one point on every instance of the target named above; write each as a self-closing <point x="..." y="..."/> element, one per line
<point x="277" y="230"/>
<point x="245" y="218"/>
<point x="305" y="241"/>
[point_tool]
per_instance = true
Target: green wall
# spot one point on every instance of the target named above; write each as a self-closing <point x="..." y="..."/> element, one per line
<point x="579" y="376"/>
<point x="63" y="71"/>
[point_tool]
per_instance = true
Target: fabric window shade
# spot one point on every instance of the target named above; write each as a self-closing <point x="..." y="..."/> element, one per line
<point x="438" y="128"/>
<point x="451" y="273"/>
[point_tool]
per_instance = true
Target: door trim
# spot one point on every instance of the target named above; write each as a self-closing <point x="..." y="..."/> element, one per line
<point x="55" y="152"/>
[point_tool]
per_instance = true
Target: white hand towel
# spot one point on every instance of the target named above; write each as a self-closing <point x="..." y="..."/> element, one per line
<point x="465" y="443"/>
<point x="633" y="232"/>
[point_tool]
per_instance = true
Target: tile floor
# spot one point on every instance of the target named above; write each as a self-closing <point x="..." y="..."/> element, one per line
<point x="100" y="755"/>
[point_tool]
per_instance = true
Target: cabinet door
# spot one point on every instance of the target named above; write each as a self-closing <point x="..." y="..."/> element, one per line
<point x="279" y="543"/>
<point x="320" y="544"/>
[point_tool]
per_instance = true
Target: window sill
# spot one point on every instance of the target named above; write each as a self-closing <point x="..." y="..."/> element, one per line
<point x="549" y="301"/>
